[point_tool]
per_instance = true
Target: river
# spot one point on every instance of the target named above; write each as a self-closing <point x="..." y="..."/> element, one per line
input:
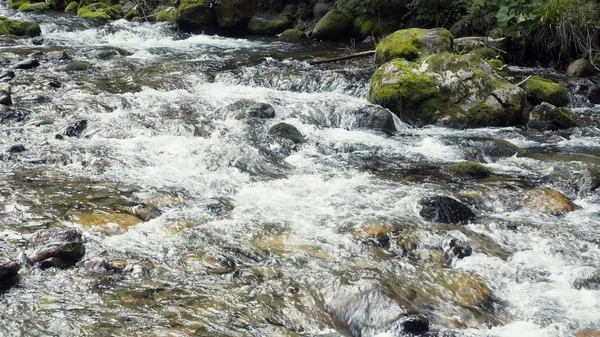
<point x="257" y="237"/>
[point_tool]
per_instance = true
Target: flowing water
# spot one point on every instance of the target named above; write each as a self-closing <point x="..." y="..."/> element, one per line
<point x="255" y="236"/>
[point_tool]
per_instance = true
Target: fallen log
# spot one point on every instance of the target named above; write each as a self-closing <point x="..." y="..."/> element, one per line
<point x="344" y="58"/>
<point x="472" y="42"/>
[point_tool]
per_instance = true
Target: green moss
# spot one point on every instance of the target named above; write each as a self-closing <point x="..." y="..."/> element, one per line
<point x="168" y="14"/>
<point x="541" y="90"/>
<point x="268" y="23"/>
<point x="334" y="25"/>
<point x="15" y="4"/>
<point x="412" y="43"/>
<point x="292" y="34"/>
<point x="78" y="66"/>
<point x="33" y="7"/>
<point x="482" y="115"/>
<point x="469" y="169"/>
<point x="234" y="13"/>
<point x="397" y="86"/>
<point x="486" y="53"/>
<point x="499" y="67"/>
<point x="195" y="13"/>
<point x="117" y="7"/>
<point x="99" y="11"/>
<point x="19" y="27"/>
<point x="368" y="25"/>
<point x="72" y="7"/>
<point x="548" y="117"/>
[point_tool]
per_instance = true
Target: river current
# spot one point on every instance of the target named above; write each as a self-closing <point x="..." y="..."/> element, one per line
<point x="257" y="237"/>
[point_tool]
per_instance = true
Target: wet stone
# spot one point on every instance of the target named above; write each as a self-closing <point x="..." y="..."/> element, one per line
<point x="37" y="41"/>
<point x="286" y="131"/>
<point x="7" y="76"/>
<point x="17" y="149"/>
<point x="28" y="63"/>
<point x="58" y="56"/>
<point x="54" y="84"/>
<point x="376" y="118"/>
<point x="4" y="60"/>
<point x="445" y="210"/>
<point x="593" y="94"/>
<point x="77" y="128"/>
<point x="455" y="249"/>
<point x="8" y="273"/>
<point x="5" y="94"/>
<point x="57" y="247"/>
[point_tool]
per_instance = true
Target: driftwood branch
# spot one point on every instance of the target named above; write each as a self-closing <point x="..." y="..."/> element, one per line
<point x="472" y="42"/>
<point x="346" y="57"/>
<point x="523" y="81"/>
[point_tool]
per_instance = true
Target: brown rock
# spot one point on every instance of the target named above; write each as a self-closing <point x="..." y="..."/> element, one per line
<point x="588" y="333"/>
<point x="549" y="201"/>
<point x="580" y="68"/>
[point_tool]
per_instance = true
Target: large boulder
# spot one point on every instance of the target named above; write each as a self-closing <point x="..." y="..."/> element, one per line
<point x="549" y="201"/>
<point x="447" y="89"/>
<point x="333" y="26"/>
<point x="167" y="14"/>
<point x="99" y="11"/>
<point x="292" y="35"/>
<point x="546" y="117"/>
<point x="370" y="25"/>
<point x="232" y="14"/>
<point x="194" y="14"/>
<point x="413" y="43"/>
<point x="19" y="28"/>
<point x="541" y="90"/>
<point x="57" y="247"/>
<point x="580" y="68"/>
<point x="268" y="23"/>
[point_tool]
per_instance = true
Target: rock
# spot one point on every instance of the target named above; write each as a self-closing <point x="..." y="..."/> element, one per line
<point x="99" y="11"/>
<point x="38" y="55"/>
<point x="580" y="68"/>
<point x="374" y="117"/>
<point x="72" y="7"/>
<point x="447" y="89"/>
<point x="33" y="7"/>
<point x="59" y="55"/>
<point x="455" y="249"/>
<point x="77" y="128"/>
<point x="54" y="84"/>
<point x="37" y="41"/>
<point x="413" y="43"/>
<point x="445" y="210"/>
<point x="549" y="201"/>
<point x="78" y="66"/>
<point x="168" y="14"/>
<point x="234" y="14"/>
<point x="593" y="94"/>
<point x="292" y="34"/>
<point x="110" y="223"/>
<point x="28" y="63"/>
<point x="5" y="94"/>
<point x="375" y="235"/>
<point x="365" y="26"/>
<point x="469" y="169"/>
<point x="372" y="311"/>
<point x="268" y="23"/>
<point x="4" y="60"/>
<point x="591" y="281"/>
<point x="321" y="8"/>
<point x="286" y="131"/>
<point x="546" y="116"/>
<point x="17" y="149"/>
<point x="7" y="76"/>
<point x="194" y="14"/>
<point x="19" y="27"/>
<point x="334" y="25"/>
<point x="245" y="108"/>
<point x="588" y="333"/>
<point x="541" y="90"/>
<point x="495" y="148"/>
<point x="587" y="181"/>
<point x="57" y="247"/>
<point x="9" y="271"/>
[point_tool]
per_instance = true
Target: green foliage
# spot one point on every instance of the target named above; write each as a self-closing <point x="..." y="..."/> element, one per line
<point x="385" y="8"/>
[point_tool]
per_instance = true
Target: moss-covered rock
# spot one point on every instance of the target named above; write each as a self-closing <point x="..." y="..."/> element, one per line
<point x="499" y="67"/>
<point x="447" y="89"/>
<point x="549" y="201"/>
<point x="333" y="26"/>
<point x="15" y="4"/>
<point x="234" y="14"/>
<point x="268" y="23"/>
<point x="495" y="148"/>
<point x="541" y="90"/>
<point x="469" y="169"/>
<point x="486" y="53"/>
<point x="369" y="25"/>
<point x="168" y="14"/>
<point x="72" y="7"/>
<point x="19" y="28"/>
<point x="548" y="117"/>
<point x="413" y="43"/>
<point x="98" y="11"/>
<point x="33" y="7"/>
<point x="194" y="14"/>
<point x="292" y="34"/>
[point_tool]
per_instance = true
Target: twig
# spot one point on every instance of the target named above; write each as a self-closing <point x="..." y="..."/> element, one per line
<point x="343" y="58"/>
<point x="523" y="81"/>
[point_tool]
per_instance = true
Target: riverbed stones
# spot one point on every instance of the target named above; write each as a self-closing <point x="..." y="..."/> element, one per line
<point x="493" y="147"/>
<point x="410" y="44"/>
<point x="547" y="117"/>
<point x="56" y="247"/>
<point x="333" y="26"/>
<point x="445" y="210"/>
<point x="19" y="28"/>
<point x="286" y="131"/>
<point x="460" y="91"/>
<point x="549" y="201"/>
<point x="5" y="94"/>
<point x="28" y="63"/>
<point x="8" y="273"/>
<point x="268" y="23"/>
<point x="540" y="90"/>
<point x="580" y="68"/>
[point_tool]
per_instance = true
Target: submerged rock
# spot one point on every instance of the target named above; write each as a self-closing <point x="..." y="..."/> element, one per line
<point x="588" y="282"/>
<point x="333" y="26"/>
<point x="410" y="44"/>
<point x="246" y="108"/>
<point x="78" y="66"/>
<point x="57" y="247"/>
<point x="76" y="129"/>
<point x="546" y="116"/>
<point x="268" y="23"/>
<point x="447" y="89"/>
<point x="5" y="94"/>
<point x="17" y="149"/>
<point x="580" y="68"/>
<point x="587" y="181"/>
<point x="111" y="223"/>
<point x="540" y="90"/>
<point x="456" y="249"/>
<point x="469" y="169"/>
<point x="549" y="201"/>
<point x="28" y="63"/>
<point x="494" y="148"/>
<point x="58" y="56"/>
<point x="286" y="131"/>
<point x="8" y="273"/>
<point x="445" y="210"/>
